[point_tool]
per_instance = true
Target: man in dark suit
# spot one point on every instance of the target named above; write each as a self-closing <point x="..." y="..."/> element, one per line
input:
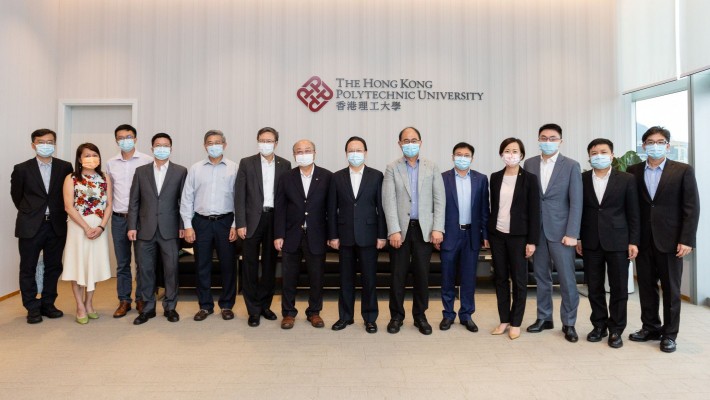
<point x="670" y="210"/>
<point x="41" y="225"/>
<point x="465" y="224"/>
<point x="300" y="229"/>
<point x="610" y="235"/>
<point x="257" y="178"/>
<point x="154" y="221"/>
<point x="357" y="221"/>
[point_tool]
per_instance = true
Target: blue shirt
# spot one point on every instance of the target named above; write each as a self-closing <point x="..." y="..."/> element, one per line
<point x="652" y="176"/>
<point x="463" y="194"/>
<point x="413" y="173"/>
<point x="209" y="190"/>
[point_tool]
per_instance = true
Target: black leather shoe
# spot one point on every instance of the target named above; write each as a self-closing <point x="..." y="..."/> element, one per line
<point x="423" y="325"/>
<point x="171" y="315"/>
<point x="615" y="340"/>
<point x="341" y="324"/>
<point x="143" y="317"/>
<point x="570" y="333"/>
<point x="540" y="325"/>
<point x="34" y="316"/>
<point x="667" y="345"/>
<point x="596" y="334"/>
<point x="643" y="335"/>
<point x="394" y="325"/>
<point x="370" y="327"/>
<point x="268" y="314"/>
<point x="203" y="314"/>
<point x="253" y="320"/>
<point x="445" y="324"/>
<point x="227" y="314"/>
<point x="470" y="325"/>
<point x="51" y="312"/>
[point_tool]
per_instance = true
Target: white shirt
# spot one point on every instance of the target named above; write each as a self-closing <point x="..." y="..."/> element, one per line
<point x="121" y="173"/>
<point x="546" y="168"/>
<point x="159" y="174"/>
<point x="268" y="172"/>
<point x="45" y="169"/>
<point x="600" y="184"/>
<point x="306" y="181"/>
<point x="356" y="179"/>
<point x="505" y="202"/>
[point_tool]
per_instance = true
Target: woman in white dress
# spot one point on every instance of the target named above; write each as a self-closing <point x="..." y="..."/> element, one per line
<point x="87" y="195"/>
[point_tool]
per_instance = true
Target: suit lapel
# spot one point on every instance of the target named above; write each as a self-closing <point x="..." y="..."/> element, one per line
<point x="315" y="179"/>
<point x="556" y="170"/>
<point x="402" y="168"/>
<point x="279" y="165"/>
<point x="610" y="186"/>
<point x="348" y="182"/>
<point x="668" y="170"/>
<point x="474" y="183"/>
<point x="535" y="168"/>
<point x="34" y="167"/>
<point x="54" y="177"/>
<point x="639" y="173"/>
<point x="451" y="177"/>
<point x="259" y="175"/>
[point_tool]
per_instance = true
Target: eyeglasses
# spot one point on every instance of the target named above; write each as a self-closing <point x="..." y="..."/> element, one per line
<point x="129" y="137"/>
<point x="50" y="142"/>
<point x="548" y="139"/>
<point x="410" y="141"/>
<point x="266" y="141"/>
<point x="302" y="152"/>
<point x="658" y="142"/>
<point x="464" y="155"/>
<point x="213" y="143"/>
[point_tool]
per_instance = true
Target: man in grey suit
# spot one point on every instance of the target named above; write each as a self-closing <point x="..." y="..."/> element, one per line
<point x="254" y="195"/>
<point x="154" y="221"/>
<point x="413" y="199"/>
<point x="560" y="182"/>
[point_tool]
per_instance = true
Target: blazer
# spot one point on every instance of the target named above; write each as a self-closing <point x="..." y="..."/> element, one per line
<point x="32" y="199"/>
<point x="149" y="211"/>
<point x="293" y="208"/>
<point x="356" y="220"/>
<point x="479" y="210"/>
<point x="397" y="198"/>
<point x="561" y="204"/>
<point x="525" y="208"/>
<point x="672" y="215"/>
<point x="249" y="190"/>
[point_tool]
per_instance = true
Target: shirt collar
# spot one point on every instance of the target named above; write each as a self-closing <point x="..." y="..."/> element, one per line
<point x="552" y="159"/>
<point x="42" y="163"/>
<point x="468" y="174"/>
<point x="407" y="162"/>
<point x="207" y="161"/>
<point x="265" y="161"/>
<point x="136" y="154"/>
<point x="356" y="172"/>
<point x="661" y="166"/>
<point x="165" y="166"/>
<point x="313" y="170"/>
<point x="606" y="176"/>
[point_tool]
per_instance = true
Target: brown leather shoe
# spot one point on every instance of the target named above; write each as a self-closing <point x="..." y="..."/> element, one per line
<point x="316" y="321"/>
<point x="287" y="322"/>
<point x="139" y="306"/>
<point x="123" y="308"/>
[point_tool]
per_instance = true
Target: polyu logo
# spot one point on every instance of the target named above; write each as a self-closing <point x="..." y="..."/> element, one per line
<point x="314" y="94"/>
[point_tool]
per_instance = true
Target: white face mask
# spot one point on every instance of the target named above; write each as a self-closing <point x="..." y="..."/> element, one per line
<point x="511" y="159"/>
<point x="266" y="149"/>
<point x="304" y="160"/>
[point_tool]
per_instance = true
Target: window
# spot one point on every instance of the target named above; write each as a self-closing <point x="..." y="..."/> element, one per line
<point x="669" y="111"/>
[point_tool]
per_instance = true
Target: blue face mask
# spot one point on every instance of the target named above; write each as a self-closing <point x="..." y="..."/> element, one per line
<point x="656" y="151"/>
<point x="462" y="163"/>
<point x="600" y="161"/>
<point x="356" y="159"/>
<point x="126" y="144"/>
<point x="161" y="153"/>
<point x="44" y="149"/>
<point x="549" y="148"/>
<point x="215" y="151"/>
<point x="410" y="149"/>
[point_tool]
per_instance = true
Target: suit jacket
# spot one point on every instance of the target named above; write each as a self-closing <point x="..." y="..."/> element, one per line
<point x="397" y="198"/>
<point x="525" y="208"/>
<point x="149" y="211"/>
<point x="615" y="223"/>
<point x="249" y="190"/>
<point x="293" y="208"/>
<point x="32" y="199"/>
<point x="479" y="210"/>
<point x="672" y="215"/>
<point x="356" y="220"/>
<point x="561" y="204"/>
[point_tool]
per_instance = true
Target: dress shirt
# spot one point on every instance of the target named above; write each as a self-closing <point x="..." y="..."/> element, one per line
<point x="600" y="184"/>
<point x="268" y="173"/>
<point x="652" y="176"/>
<point x="546" y="168"/>
<point x="355" y="180"/>
<point x="463" y="193"/>
<point x="306" y="181"/>
<point x="121" y="173"/>
<point x="209" y="190"/>
<point x="46" y="170"/>
<point x="507" y="189"/>
<point x="413" y="173"/>
<point x="159" y="174"/>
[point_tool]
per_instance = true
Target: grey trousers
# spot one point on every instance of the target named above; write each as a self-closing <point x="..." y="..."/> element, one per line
<point x="546" y="254"/>
<point x="147" y="256"/>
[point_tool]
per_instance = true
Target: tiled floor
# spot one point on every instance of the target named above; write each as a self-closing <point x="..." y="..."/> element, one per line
<point x="111" y="358"/>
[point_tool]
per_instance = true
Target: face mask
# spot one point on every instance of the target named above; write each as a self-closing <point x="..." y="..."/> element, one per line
<point x="656" y="151"/>
<point x="549" y="148"/>
<point x="44" y="149"/>
<point x="356" y="159"/>
<point x="511" y="159"/>
<point x="304" y="160"/>
<point x="462" y="163"/>
<point x="126" y="144"/>
<point x="266" y="149"/>
<point x="410" y="149"/>
<point x="161" y="153"/>
<point x="600" y="161"/>
<point x="215" y="151"/>
<point x="90" y="162"/>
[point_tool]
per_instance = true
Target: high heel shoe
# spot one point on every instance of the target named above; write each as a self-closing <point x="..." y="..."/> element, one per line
<point x="82" y="320"/>
<point x="93" y="315"/>
<point x="499" y="331"/>
<point x="513" y="335"/>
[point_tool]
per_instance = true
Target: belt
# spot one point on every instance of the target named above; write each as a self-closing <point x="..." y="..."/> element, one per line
<point x="267" y="209"/>
<point x="47" y="217"/>
<point x="304" y="228"/>
<point x="122" y="215"/>
<point x="465" y="227"/>
<point x="214" y="217"/>
<point x="413" y="222"/>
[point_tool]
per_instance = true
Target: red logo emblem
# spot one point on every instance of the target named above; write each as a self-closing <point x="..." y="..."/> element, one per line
<point x="314" y="94"/>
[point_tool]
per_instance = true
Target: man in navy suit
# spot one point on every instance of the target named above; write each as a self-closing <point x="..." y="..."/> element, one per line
<point x="465" y="224"/>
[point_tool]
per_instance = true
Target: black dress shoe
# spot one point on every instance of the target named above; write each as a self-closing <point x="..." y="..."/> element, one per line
<point x="643" y="335"/>
<point x="253" y="320"/>
<point x="51" y="311"/>
<point x="203" y="314"/>
<point x="143" y="317"/>
<point x="596" y="334"/>
<point x="470" y="325"/>
<point x="268" y="314"/>
<point x="394" y="325"/>
<point x="171" y="315"/>
<point x="423" y="325"/>
<point x="227" y="314"/>
<point x="445" y="324"/>
<point x="570" y="333"/>
<point x="615" y="340"/>
<point x="34" y="316"/>
<point x="540" y="325"/>
<point x="667" y="345"/>
<point x="370" y="327"/>
<point x="341" y="324"/>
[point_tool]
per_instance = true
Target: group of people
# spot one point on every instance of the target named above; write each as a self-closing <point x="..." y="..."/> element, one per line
<point x="544" y="210"/>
